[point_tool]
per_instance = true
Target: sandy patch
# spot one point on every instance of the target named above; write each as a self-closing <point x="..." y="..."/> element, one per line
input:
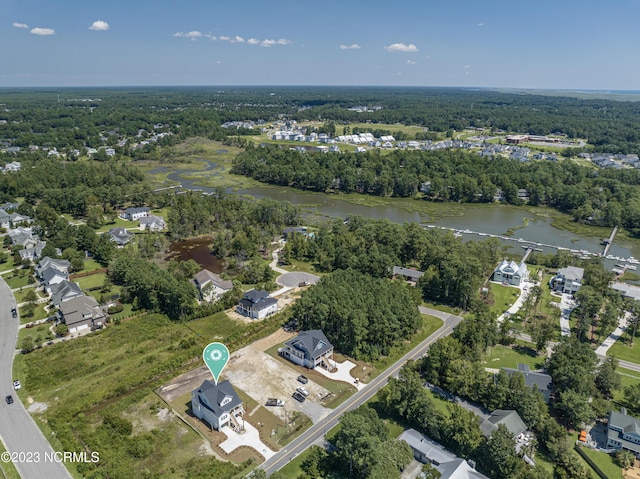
<point x="37" y="407"/>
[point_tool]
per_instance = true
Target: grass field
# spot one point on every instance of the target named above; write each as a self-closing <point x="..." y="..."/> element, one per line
<point x="215" y="327"/>
<point x="113" y="372"/>
<point x="91" y="281"/>
<point x="19" y="281"/>
<point x="38" y="313"/>
<point x="622" y="349"/>
<point x="503" y="297"/>
<point x="39" y="333"/>
<point x="604" y="462"/>
<point x="510" y="356"/>
<point x="7" y="265"/>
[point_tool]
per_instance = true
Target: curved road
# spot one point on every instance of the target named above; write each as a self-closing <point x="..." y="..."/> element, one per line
<point x="316" y="431"/>
<point x="18" y="430"/>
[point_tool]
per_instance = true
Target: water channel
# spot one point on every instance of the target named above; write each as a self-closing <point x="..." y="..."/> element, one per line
<point x="491" y="219"/>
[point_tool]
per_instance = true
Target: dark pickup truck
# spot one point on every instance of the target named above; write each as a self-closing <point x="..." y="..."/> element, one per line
<point x="274" y="402"/>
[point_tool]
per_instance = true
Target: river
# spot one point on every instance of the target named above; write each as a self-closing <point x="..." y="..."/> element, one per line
<point x="492" y="219"/>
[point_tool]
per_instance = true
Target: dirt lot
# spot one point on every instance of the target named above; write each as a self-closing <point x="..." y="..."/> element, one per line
<point x="258" y="375"/>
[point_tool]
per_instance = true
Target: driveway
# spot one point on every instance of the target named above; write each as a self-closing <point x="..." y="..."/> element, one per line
<point x="250" y="437"/>
<point x="294" y="279"/>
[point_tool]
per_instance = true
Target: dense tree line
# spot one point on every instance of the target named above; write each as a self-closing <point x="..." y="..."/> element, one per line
<point x="362" y="316"/>
<point x="607" y="197"/>
<point x="453" y="270"/>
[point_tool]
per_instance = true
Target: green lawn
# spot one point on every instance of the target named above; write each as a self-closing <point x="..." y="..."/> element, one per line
<point x="38" y="313"/>
<point x="510" y="356"/>
<point x="604" y="462"/>
<point x="214" y="327"/>
<point x="39" y="333"/>
<point x="622" y="350"/>
<point x="442" y="307"/>
<point x="91" y="281"/>
<point x="91" y="265"/>
<point x="118" y="222"/>
<point x="19" y="281"/>
<point x="503" y="297"/>
<point x="7" y="265"/>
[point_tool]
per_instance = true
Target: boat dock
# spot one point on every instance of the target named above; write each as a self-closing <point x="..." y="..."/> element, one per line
<point x="608" y="242"/>
<point x="584" y="254"/>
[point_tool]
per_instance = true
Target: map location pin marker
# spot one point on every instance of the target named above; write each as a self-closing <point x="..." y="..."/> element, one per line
<point x="216" y="357"/>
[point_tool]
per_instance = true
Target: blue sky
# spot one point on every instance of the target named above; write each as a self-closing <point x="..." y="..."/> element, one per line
<point x="564" y="44"/>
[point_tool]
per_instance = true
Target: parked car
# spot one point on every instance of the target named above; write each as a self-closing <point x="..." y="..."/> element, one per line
<point x="9" y="399"/>
<point x="302" y="390"/>
<point x="274" y="402"/>
<point x="298" y="397"/>
<point x="302" y="284"/>
<point x="17" y="385"/>
<point x="303" y="379"/>
<point x="14" y="313"/>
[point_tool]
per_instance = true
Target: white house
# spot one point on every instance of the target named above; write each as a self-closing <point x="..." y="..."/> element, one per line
<point x="210" y="285"/>
<point x="623" y="432"/>
<point x="257" y="304"/>
<point x="152" y="223"/>
<point x="218" y="405"/>
<point x="511" y="273"/>
<point x="134" y="214"/>
<point x="568" y="280"/>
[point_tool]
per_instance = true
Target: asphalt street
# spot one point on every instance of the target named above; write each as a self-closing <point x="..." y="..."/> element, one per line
<point x="18" y="431"/>
<point x="321" y="428"/>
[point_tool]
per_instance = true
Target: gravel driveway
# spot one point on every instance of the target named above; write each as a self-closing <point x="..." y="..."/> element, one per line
<point x="294" y="279"/>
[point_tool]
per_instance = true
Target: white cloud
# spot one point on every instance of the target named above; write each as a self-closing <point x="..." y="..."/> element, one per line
<point x="355" y="46"/>
<point x="99" y="26"/>
<point x="411" y="62"/>
<point x="219" y="62"/>
<point x="401" y="47"/>
<point x="253" y="41"/>
<point x="466" y="67"/>
<point x="224" y="38"/>
<point x="480" y="24"/>
<point x="43" y="31"/>
<point x="237" y="39"/>
<point x="269" y="42"/>
<point x="191" y="34"/>
<point x="20" y="25"/>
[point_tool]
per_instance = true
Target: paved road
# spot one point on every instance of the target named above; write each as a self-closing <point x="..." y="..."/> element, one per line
<point x="319" y="429"/>
<point x="294" y="279"/>
<point x="18" y="430"/>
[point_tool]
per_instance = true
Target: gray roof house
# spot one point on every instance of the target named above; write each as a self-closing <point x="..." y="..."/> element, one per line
<point x="210" y="285"/>
<point x="509" y="418"/>
<point x="152" y="223"/>
<point x="81" y="313"/>
<point x="33" y="252"/>
<point x="303" y="230"/>
<point x="218" y="405"/>
<point x="47" y="262"/>
<point x="510" y="272"/>
<point x="134" y="214"/>
<point x="568" y="280"/>
<point x="428" y="451"/>
<point x="64" y="291"/>
<point x="120" y="236"/>
<point x="541" y="381"/>
<point x="309" y="349"/>
<point x="623" y="432"/>
<point x="257" y="304"/>
<point x="410" y="274"/>
<point x="5" y="219"/>
<point x="52" y="276"/>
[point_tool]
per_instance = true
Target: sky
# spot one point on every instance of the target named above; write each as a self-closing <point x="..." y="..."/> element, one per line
<point x="542" y="44"/>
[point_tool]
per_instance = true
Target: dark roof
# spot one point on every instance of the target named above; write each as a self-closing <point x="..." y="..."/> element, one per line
<point x="407" y="272"/>
<point x="133" y="210"/>
<point x="255" y="295"/>
<point x="64" y="290"/>
<point x="48" y="274"/>
<point x="509" y="418"/>
<point x="120" y="235"/>
<point x="312" y="342"/>
<point x="212" y="395"/>
<point x="48" y="262"/>
<point x="81" y="309"/>
<point x="436" y="453"/>
<point x="541" y="381"/>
